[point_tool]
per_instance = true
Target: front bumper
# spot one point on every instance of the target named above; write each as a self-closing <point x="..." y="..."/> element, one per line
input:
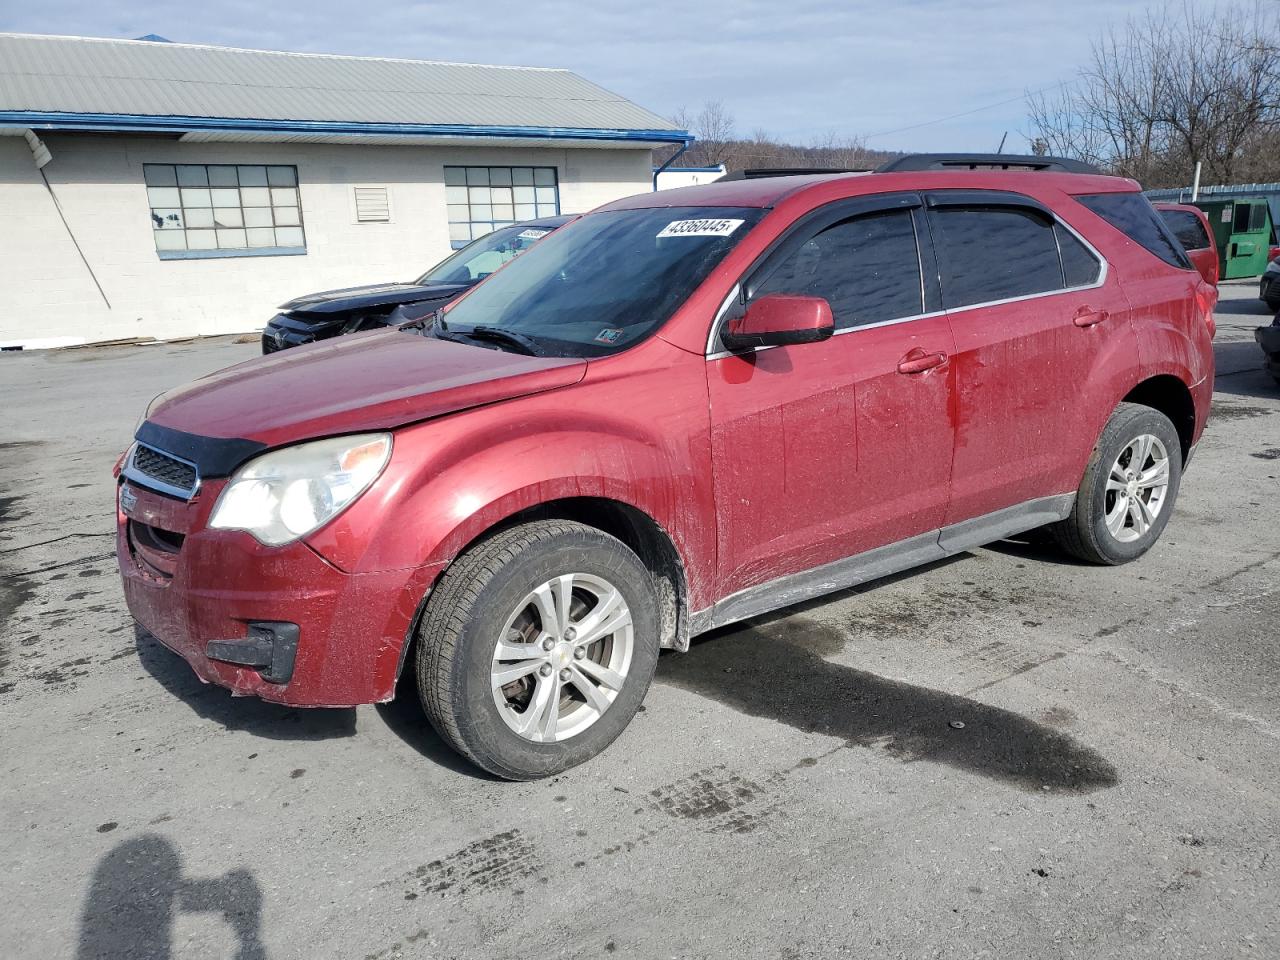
<point x="190" y="586"/>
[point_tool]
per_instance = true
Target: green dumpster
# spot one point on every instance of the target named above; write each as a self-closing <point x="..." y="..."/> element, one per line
<point x="1242" y="229"/>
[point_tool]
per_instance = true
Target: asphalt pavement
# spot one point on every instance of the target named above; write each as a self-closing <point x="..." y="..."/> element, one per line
<point x="1004" y="755"/>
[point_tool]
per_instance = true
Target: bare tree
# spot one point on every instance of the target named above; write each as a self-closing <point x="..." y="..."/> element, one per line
<point x="1174" y="87"/>
<point x="717" y="143"/>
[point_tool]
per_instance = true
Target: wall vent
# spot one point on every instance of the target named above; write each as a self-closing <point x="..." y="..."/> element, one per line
<point x="373" y="205"/>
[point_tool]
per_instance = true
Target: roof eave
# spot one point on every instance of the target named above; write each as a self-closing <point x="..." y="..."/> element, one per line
<point x="143" y="123"/>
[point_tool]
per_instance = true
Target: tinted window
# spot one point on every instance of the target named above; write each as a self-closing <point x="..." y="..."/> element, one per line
<point x="1187" y="228"/>
<point x="1133" y="215"/>
<point x="868" y="269"/>
<point x="990" y="253"/>
<point x="1079" y="267"/>
<point x="604" y="282"/>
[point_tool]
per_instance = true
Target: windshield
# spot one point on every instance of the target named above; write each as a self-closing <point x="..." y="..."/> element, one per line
<point x="482" y="257"/>
<point x="605" y="282"/>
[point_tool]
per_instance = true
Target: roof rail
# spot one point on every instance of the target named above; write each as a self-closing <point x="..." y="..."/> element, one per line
<point x="757" y="173"/>
<point x="984" y="161"/>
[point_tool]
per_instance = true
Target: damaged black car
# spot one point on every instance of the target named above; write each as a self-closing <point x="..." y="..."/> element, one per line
<point x="319" y="316"/>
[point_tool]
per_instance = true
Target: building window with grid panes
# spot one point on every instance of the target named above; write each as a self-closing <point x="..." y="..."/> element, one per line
<point x="224" y="210"/>
<point x="481" y="199"/>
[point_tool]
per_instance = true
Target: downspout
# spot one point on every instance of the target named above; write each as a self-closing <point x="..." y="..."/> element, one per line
<point x="41" y="155"/>
<point x="672" y="159"/>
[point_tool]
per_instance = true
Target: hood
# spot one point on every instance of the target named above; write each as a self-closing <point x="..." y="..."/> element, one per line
<point x="366" y="381"/>
<point x="372" y="295"/>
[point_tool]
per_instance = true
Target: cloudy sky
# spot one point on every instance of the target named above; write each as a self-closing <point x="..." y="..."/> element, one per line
<point x="911" y="74"/>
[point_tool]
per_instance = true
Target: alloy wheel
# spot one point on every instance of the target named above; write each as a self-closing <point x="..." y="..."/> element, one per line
<point x="562" y="657"/>
<point x="1137" y="487"/>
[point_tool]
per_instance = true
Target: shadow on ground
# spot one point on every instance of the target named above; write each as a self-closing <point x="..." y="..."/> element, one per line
<point x="405" y="718"/>
<point x="137" y="890"/>
<point x="257" y="717"/>
<point x="777" y="669"/>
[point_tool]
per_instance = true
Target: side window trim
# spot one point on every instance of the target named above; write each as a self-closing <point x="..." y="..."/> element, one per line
<point x="1062" y="263"/>
<point x="930" y="275"/>
<point x="978" y="198"/>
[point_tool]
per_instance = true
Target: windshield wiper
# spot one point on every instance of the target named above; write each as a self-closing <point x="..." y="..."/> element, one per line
<point x="524" y="343"/>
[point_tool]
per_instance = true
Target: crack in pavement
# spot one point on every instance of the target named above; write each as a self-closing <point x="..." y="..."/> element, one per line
<point x="18" y="575"/>
<point x="44" y="543"/>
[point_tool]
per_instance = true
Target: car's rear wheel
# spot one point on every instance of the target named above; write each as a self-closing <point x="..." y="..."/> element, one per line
<point x="1129" y="488"/>
<point x="537" y="647"/>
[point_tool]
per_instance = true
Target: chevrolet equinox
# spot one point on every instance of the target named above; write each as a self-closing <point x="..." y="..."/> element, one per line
<point x="684" y="409"/>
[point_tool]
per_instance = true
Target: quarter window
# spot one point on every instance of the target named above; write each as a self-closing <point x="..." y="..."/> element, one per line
<point x="1133" y="215"/>
<point x="482" y="199"/>
<point x="224" y="209"/>
<point x="995" y="253"/>
<point x="867" y="268"/>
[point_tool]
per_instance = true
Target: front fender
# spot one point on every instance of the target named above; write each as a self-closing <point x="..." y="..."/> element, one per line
<point x="451" y="480"/>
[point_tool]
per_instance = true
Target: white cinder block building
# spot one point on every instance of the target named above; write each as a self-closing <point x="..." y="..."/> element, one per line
<point x="168" y="190"/>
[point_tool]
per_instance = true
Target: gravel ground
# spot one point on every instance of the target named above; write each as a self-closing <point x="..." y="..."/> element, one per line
<point x="794" y="787"/>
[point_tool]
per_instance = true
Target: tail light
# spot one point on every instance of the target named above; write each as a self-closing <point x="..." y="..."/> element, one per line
<point x="1206" y="300"/>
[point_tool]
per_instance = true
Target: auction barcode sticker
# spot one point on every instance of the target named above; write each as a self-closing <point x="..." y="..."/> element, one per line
<point x="532" y="234"/>
<point x="700" y="228"/>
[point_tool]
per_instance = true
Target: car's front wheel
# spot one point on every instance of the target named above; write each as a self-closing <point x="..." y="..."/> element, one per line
<point x="537" y="647"/>
<point x="1129" y="488"/>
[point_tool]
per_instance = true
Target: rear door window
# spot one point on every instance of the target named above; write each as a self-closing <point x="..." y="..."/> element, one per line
<point x="994" y="253"/>
<point x="1187" y="228"/>
<point x="1133" y="215"/>
<point x="867" y="268"/>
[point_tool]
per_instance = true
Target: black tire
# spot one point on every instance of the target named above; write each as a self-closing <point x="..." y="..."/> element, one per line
<point x="467" y="611"/>
<point x="1084" y="533"/>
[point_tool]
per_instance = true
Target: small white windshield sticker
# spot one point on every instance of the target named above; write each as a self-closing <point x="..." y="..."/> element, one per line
<point x="699" y="228"/>
<point x="532" y="234"/>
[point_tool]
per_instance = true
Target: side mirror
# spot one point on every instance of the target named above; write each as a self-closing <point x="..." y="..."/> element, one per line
<point x="779" y="319"/>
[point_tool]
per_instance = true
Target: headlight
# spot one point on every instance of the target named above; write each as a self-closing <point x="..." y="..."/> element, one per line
<point x="283" y="495"/>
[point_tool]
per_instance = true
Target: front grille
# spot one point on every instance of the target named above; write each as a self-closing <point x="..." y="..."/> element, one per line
<point x="170" y="471"/>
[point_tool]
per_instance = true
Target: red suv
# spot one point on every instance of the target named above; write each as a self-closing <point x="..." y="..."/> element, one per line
<point x="685" y="409"/>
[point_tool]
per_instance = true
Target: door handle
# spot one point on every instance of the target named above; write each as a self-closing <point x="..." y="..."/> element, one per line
<point x="917" y="361"/>
<point x="1087" y="317"/>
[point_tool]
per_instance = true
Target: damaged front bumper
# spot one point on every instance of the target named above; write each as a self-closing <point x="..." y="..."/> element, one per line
<point x="279" y="623"/>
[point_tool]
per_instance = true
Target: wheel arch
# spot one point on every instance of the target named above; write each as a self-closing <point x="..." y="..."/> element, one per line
<point x="634" y="527"/>
<point x="1171" y="396"/>
<point x="641" y="533"/>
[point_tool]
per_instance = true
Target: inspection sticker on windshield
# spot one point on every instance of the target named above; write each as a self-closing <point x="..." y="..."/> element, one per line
<point x="609" y="335"/>
<point x="699" y="228"/>
<point x="532" y="234"/>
